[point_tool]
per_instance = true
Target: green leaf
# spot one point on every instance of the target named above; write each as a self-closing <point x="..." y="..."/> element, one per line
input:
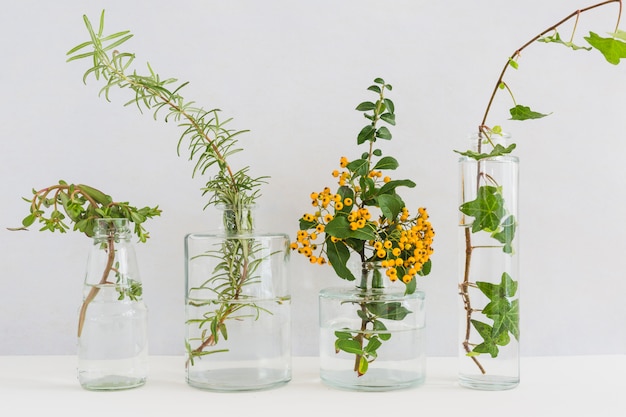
<point x="338" y="256"/>
<point x="506" y="288"/>
<point x="363" y="365"/>
<point x="556" y="38"/>
<point x="393" y="184"/>
<point x="359" y="166"/>
<point x="374" y="88"/>
<point x="366" y="106"/>
<point x="389" y="310"/>
<point x="390" y="106"/>
<point x="612" y="49"/>
<point x="487" y="209"/>
<point x="28" y="220"/>
<point x="340" y="227"/>
<point x="349" y="346"/>
<point x="383" y="133"/>
<point x="520" y="112"/>
<point x="390" y="205"/>
<point x="381" y="330"/>
<point x="498" y="150"/>
<point x="368" y="133"/>
<point x="513" y="63"/>
<point x="387" y="162"/>
<point x="389" y="118"/>
<point x="488" y="345"/>
<point x="506" y="234"/>
<point x="372" y="346"/>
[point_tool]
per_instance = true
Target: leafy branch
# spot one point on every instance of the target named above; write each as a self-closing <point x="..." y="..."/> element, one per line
<point x="82" y="205"/>
<point x="210" y="144"/>
<point x="367" y="218"/>
<point x="210" y="141"/>
<point x="488" y="210"/>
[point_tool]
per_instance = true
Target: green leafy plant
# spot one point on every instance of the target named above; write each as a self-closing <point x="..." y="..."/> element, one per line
<point x="209" y="141"/>
<point x="366" y="217"/>
<point x="81" y="205"/>
<point x="488" y="210"/>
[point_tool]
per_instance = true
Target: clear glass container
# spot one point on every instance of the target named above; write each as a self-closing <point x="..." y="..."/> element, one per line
<point x="238" y="307"/>
<point x="489" y="269"/>
<point x="112" y="324"/>
<point x="372" y="337"/>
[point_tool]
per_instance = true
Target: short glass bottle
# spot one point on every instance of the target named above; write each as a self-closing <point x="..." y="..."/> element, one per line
<point x="238" y="306"/>
<point x="112" y="323"/>
<point x="372" y="336"/>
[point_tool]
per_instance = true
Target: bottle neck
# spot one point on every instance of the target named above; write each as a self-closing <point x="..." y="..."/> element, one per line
<point x="237" y="219"/>
<point x="112" y="229"/>
<point x="371" y="275"/>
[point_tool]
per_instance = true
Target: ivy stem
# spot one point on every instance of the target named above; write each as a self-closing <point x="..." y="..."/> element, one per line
<point x="483" y="131"/>
<point x="577" y="13"/>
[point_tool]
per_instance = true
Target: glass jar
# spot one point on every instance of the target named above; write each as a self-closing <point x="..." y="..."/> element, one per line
<point x="372" y="337"/>
<point x="238" y="306"/>
<point x="112" y="324"/>
<point x="489" y="268"/>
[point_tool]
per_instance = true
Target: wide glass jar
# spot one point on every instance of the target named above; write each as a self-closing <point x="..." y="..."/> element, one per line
<point x="372" y="337"/>
<point x="112" y="323"/>
<point x="489" y="267"/>
<point x="238" y="306"/>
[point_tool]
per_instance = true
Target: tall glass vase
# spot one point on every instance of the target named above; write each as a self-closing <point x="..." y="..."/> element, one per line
<point x="371" y="335"/>
<point x="112" y="324"/>
<point x="238" y="306"/>
<point x="489" y="269"/>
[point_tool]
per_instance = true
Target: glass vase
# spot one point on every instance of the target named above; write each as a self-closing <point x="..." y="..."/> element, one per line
<point x="112" y="324"/>
<point x="238" y="306"/>
<point x="489" y="268"/>
<point x="371" y="335"/>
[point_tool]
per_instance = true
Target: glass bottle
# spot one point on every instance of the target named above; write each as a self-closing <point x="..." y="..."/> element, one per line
<point x="489" y="269"/>
<point x="112" y="323"/>
<point x="372" y="336"/>
<point x="238" y="306"/>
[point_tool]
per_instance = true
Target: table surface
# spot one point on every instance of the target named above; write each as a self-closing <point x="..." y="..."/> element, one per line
<point x="550" y="386"/>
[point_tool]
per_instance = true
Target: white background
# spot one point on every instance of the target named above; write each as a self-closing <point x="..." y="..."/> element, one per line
<point x="292" y="72"/>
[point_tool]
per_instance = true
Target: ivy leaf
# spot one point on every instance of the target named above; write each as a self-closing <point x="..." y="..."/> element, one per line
<point x="556" y="38"/>
<point x="504" y="313"/>
<point x="520" y="112"/>
<point x="507" y="321"/>
<point x="612" y="49"/>
<point x="506" y="288"/>
<point x="487" y="209"/>
<point x="507" y="234"/>
<point x="498" y="150"/>
<point x="488" y="345"/>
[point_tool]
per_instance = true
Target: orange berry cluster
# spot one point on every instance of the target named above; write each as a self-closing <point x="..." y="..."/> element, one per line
<point x="403" y="245"/>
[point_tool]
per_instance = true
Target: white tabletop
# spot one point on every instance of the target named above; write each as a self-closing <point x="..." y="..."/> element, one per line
<point x="592" y="386"/>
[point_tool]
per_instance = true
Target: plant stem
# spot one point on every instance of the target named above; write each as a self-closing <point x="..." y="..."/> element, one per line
<point x="577" y="13"/>
<point x="483" y="131"/>
<point x="103" y="280"/>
